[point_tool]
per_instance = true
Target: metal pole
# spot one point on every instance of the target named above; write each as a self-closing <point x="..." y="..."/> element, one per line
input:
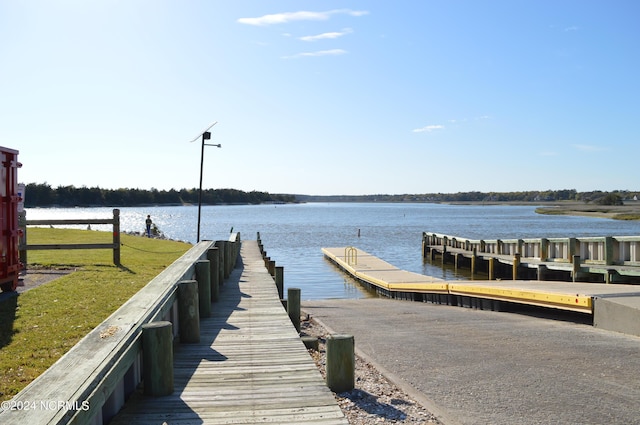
<point x="206" y="135"/>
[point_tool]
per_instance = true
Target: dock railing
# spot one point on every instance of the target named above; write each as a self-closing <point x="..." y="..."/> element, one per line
<point x="604" y="250"/>
<point x="91" y="382"/>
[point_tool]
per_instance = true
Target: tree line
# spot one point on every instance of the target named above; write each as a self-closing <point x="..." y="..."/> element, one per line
<point x="597" y="197"/>
<point x="43" y="195"/>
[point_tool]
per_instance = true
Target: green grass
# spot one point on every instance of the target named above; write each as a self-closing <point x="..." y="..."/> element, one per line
<point x="627" y="217"/>
<point x="550" y="211"/>
<point x="40" y="325"/>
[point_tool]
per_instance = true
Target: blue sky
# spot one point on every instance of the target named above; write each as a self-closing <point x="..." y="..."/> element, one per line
<point x="331" y="97"/>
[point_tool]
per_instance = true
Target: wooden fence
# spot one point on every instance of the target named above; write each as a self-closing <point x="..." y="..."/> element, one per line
<point x="115" y="245"/>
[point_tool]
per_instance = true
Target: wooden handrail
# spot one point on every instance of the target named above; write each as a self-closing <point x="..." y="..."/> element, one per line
<point x="90" y="382"/>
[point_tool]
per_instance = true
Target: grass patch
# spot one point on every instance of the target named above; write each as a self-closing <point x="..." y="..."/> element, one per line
<point x="40" y="325"/>
<point x="627" y="217"/>
<point x="550" y="211"/>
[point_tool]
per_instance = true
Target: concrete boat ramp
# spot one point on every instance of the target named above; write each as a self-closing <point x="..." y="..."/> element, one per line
<point x="614" y="307"/>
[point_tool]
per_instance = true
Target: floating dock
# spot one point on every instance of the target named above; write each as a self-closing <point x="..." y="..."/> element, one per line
<point x="612" y="306"/>
<point x="368" y="268"/>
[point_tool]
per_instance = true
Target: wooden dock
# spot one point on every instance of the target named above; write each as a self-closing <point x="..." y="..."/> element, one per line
<point x="368" y="268"/>
<point x="610" y="259"/>
<point x="487" y="294"/>
<point x="249" y="367"/>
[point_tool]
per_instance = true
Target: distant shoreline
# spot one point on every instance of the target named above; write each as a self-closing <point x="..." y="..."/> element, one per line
<point x="630" y="211"/>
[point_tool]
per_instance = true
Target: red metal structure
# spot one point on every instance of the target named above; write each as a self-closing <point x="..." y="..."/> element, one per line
<point x="10" y="233"/>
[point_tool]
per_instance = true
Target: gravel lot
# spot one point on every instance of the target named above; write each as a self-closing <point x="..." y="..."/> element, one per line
<point x="33" y="278"/>
<point x="375" y="399"/>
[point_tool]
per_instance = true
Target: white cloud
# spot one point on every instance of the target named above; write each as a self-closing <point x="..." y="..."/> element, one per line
<point x="332" y="52"/>
<point x="283" y="18"/>
<point x="428" y="129"/>
<point x="327" y="35"/>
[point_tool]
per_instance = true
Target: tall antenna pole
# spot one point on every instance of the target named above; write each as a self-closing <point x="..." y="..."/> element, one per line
<point x="206" y="135"/>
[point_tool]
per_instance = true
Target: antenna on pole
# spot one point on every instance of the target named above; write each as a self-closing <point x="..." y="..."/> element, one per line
<point x="202" y="132"/>
<point x="205" y="135"/>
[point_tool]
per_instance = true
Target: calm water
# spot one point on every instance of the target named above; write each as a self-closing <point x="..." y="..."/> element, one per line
<point x="294" y="234"/>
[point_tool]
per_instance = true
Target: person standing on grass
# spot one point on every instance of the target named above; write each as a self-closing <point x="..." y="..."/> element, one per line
<point x="148" y="223"/>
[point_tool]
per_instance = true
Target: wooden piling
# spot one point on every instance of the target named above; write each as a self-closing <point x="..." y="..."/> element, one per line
<point x="311" y="342"/>
<point x="340" y="367"/>
<point x="157" y="358"/>
<point x="221" y="261"/>
<point x="280" y="281"/>
<point x="188" y="312"/>
<point x="492" y="268"/>
<point x="293" y="306"/>
<point x="542" y="272"/>
<point x="474" y="260"/>
<point x="576" y="267"/>
<point x="214" y="264"/>
<point x="516" y="265"/>
<point x="425" y="247"/>
<point x="203" y="277"/>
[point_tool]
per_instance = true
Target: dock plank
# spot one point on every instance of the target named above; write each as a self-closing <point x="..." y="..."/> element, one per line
<point x="249" y="367"/>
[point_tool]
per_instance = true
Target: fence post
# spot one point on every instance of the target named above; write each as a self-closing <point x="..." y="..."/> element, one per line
<point x="157" y="358"/>
<point x="116" y="237"/>
<point x="22" y="224"/>
<point x="203" y="276"/>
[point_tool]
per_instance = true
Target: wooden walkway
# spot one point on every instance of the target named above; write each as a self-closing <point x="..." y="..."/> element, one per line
<point x="250" y="366"/>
